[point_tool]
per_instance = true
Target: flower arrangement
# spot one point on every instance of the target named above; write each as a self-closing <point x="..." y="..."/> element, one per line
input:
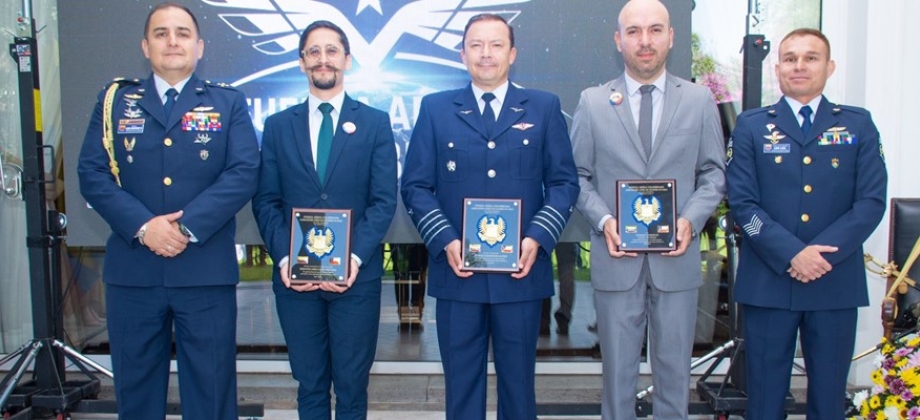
<point x="896" y="390"/>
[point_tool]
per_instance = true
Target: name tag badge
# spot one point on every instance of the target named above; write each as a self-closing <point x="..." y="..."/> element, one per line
<point x="131" y="126"/>
<point x="201" y="121"/>
<point x="771" y="148"/>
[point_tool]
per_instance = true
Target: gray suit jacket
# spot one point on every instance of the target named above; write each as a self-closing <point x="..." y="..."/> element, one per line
<point x="688" y="147"/>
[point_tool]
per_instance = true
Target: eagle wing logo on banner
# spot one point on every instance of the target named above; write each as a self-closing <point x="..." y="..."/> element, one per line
<point x="278" y="23"/>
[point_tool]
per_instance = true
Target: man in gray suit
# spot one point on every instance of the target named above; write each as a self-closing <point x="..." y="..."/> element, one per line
<point x="675" y="134"/>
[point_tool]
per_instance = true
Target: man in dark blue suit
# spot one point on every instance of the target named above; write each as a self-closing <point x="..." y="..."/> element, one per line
<point x="490" y="139"/>
<point x="330" y="329"/>
<point x="806" y="183"/>
<point x="168" y="162"/>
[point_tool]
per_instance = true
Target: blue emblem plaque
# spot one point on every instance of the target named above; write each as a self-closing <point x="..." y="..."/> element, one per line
<point x="646" y="215"/>
<point x="320" y="245"/>
<point x="491" y="235"/>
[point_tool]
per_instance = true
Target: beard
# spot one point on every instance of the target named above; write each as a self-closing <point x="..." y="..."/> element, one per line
<point x="327" y="83"/>
<point x="645" y="70"/>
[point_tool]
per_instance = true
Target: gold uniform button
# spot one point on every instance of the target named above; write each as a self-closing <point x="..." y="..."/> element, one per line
<point x="807" y="160"/>
<point x="167" y="181"/>
<point x="805" y="218"/>
<point x="167" y="142"/>
<point x="807" y="189"/>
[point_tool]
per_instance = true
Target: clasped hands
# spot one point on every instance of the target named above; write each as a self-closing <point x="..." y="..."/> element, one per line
<point x="164" y="237"/>
<point x="809" y="265"/>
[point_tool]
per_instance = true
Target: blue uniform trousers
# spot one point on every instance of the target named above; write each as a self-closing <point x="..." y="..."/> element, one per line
<point x="141" y="338"/>
<point x="827" y="339"/>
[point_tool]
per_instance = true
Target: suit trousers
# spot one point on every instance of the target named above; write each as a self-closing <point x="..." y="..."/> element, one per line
<point x="622" y="318"/>
<point x="827" y="339"/>
<point x="331" y="339"/>
<point x="464" y="331"/>
<point x="140" y="324"/>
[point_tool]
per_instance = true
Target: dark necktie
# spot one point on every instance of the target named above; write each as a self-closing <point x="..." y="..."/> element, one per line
<point x="324" y="141"/>
<point x="805" y="112"/>
<point x="645" y="119"/>
<point x="170" y="100"/>
<point x="488" y="115"/>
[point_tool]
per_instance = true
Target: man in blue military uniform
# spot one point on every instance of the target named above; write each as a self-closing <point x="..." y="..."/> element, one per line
<point x="330" y="328"/>
<point x="168" y="162"/>
<point x="807" y="185"/>
<point x="490" y="139"/>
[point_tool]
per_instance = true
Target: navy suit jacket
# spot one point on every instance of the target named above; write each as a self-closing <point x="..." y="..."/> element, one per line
<point x="166" y="166"/>
<point x="451" y="157"/>
<point x="789" y="190"/>
<point x="360" y="175"/>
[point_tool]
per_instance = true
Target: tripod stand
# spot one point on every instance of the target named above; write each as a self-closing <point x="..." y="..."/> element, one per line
<point x="44" y="236"/>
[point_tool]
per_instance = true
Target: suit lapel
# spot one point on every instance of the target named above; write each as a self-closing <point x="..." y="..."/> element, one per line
<point x="624" y="113"/>
<point x="300" y="126"/>
<point x="468" y="110"/>
<point x="512" y="109"/>
<point x="347" y="114"/>
<point x="671" y="98"/>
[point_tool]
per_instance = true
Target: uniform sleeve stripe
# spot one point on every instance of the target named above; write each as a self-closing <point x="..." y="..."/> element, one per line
<point x="557" y="215"/>
<point x="434" y="235"/>
<point x="556" y="230"/>
<point x="421" y="221"/>
<point x="753" y="227"/>
<point x="554" y="235"/>
<point x="436" y="225"/>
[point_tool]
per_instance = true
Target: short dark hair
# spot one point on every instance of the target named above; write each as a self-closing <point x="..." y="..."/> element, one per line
<point x="328" y="25"/>
<point x="486" y="17"/>
<point x="167" y="5"/>
<point x="809" y="32"/>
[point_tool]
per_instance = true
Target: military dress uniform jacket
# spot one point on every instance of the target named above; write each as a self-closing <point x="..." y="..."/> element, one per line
<point x="202" y="159"/>
<point x="451" y="157"/>
<point x="788" y="190"/>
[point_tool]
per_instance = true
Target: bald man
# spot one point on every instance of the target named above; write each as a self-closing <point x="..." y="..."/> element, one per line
<point x="681" y="140"/>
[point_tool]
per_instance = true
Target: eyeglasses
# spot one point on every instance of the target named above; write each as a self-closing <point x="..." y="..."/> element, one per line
<point x="316" y="53"/>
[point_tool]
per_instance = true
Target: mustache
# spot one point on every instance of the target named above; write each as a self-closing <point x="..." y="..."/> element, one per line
<point x="324" y="66"/>
<point x="646" y="50"/>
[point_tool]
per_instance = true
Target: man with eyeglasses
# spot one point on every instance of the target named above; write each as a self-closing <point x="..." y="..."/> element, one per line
<point x="331" y="152"/>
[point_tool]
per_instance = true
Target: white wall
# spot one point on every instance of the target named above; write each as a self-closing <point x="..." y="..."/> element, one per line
<point x="871" y="43"/>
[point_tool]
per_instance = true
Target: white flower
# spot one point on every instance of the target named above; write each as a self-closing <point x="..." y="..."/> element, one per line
<point x="892" y="412"/>
<point x="877" y="362"/>
<point x="860" y="397"/>
<point x="878" y="389"/>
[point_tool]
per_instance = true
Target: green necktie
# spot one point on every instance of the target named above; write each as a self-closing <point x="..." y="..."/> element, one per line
<point x="324" y="141"/>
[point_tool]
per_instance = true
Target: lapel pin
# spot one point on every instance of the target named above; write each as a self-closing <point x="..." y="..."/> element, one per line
<point x="349" y="127"/>
<point x="616" y="98"/>
<point x="466" y="111"/>
<point x="451" y="166"/>
<point x="517" y="109"/>
<point x="203" y="154"/>
<point x="522" y="126"/>
<point x="835" y="163"/>
<point x="770" y="127"/>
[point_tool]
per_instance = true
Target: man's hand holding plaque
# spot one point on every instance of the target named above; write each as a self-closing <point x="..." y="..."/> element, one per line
<point x="320" y="248"/>
<point x="491" y="237"/>
<point x="646" y="215"/>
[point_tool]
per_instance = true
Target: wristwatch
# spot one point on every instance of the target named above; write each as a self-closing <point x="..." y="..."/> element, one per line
<point x="140" y="234"/>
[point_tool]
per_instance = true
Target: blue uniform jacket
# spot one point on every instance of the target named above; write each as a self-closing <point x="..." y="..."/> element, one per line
<point x="205" y="167"/>
<point x="787" y="190"/>
<point x="450" y="158"/>
<point x="360" y="175"/>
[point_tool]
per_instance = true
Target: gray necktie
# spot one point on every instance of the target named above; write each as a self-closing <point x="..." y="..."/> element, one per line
<point x="645" y="119"/>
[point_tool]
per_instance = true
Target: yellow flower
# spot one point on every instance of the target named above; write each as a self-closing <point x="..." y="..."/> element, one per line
<point x="894" y="401"/>
<point x="887" y="348"/>
<point x="914" y="342"/>
<point x="875" y="402"/>
<point x="909" y="376"/>
<point x="878" y="378"/>
<point x="880" y="416"/>
<point x="901" y="363"/>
